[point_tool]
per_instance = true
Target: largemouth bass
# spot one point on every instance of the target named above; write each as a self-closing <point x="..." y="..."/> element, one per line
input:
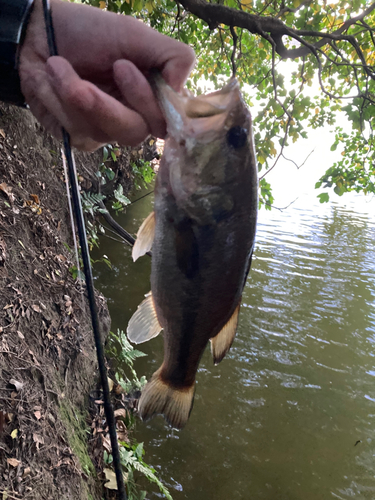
<point x="202" y="234"/>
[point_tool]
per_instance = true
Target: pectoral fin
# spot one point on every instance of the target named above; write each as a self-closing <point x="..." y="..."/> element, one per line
<point x="220" y="344"/>
<point x="144" y="324"/>
<point x="145" y="237"/>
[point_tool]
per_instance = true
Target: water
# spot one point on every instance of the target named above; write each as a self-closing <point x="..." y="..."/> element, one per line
<point x="290" y="412"/>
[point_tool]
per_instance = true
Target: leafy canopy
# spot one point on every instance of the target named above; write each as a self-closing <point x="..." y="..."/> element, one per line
<point x="330" y="49"/>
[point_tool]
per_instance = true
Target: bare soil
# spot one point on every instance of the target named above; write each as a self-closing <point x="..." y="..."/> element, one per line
<point x="47" y="358"/>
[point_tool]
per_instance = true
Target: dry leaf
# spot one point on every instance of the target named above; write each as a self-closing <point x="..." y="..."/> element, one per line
<point x="38" y="440"/>
<point x="121" y="412"/>
<point x="107" y="444"/>
<point x="21" y="335"/>
<point x="36" y="308"/>
<point x="17" y="385"/>
<point x="36" y="362"/>
<point x="14" y="434"/>
<point x="38" y="415"/>
<point x="6" y="189"/>
<point x="122" y="433"/>
<point x="102" y="4"/>
<point x="26" y="472"/>
<point x="35" y="198"/>
<point x="2" y="133"/>
<point x="13" y="462"/>
<point x="110" y="476"/>
<point x="110" y="384"/>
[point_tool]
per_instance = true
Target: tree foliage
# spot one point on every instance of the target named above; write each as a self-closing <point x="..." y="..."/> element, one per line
<point x="307" y="64"/>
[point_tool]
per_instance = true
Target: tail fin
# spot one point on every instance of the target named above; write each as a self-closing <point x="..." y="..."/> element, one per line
<point x="158" y="397"/>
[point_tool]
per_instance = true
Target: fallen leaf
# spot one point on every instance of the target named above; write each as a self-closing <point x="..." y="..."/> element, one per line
<point x="13" y="462"/>
<point x="14" y="434"/>
<point x="17" y="385"/>
<point x="21" y="335"/>
<point x="2" y="133"/>
<point x="110" y="384"/>
<point x="35" y="198"/>
<point x="7" y="306"/>
<point x="110" y="476"/>
<point x="6" y="189"/>
<point x="50" y="417"/>
<point x="36" y="308"/>
<point x="122" y="433"/>
<point x="107" y="444"/>
<point x="38" y="440"/>
<point x="38" y="415"/>
<point x="121" y="412"/>
<point x="36" y="362"/>
<point x="26" y="472"/>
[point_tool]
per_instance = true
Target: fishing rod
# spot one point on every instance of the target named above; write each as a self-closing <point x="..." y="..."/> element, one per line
<point x="77" y="208"/>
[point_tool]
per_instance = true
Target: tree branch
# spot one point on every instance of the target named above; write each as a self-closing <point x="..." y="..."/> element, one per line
<point x="270" y="28"/>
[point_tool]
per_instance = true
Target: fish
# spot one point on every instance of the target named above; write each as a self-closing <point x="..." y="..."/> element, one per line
<point x="202" y="233"/>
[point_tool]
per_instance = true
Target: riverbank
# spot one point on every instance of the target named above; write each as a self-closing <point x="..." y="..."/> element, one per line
<point x="47" y="358"/>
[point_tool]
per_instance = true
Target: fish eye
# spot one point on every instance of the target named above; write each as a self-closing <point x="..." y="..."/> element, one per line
<point x="237" y="137"/>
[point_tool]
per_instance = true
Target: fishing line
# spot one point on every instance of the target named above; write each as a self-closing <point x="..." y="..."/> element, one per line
<point x="141" y="197"/>
<point x="74" y="235"/>
<point x="88" y="275"/>
<point x="233" y="56"/>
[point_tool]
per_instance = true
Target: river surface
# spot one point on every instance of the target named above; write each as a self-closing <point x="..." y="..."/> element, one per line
<point x="289" y="414"/>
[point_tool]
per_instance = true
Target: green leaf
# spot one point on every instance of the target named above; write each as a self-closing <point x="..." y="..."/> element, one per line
<point x="118" y="194"/>
<point x="109" y="172"/>
<point x="323" y="197"/>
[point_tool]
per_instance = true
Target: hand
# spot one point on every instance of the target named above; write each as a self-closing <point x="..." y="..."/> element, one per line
<point x="97" y="87"/>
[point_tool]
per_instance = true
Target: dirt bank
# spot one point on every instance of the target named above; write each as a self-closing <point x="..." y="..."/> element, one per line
<point x="47" y="359"/>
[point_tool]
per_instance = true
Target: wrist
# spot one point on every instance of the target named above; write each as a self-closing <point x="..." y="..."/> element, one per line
<point x="14" y="15"/>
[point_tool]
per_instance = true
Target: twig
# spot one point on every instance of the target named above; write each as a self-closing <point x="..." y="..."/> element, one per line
<point x="281" y="209"/>
<point x="302" y="164"/>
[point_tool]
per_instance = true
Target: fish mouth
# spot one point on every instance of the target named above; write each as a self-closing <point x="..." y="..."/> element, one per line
<point x="201" y="117"/>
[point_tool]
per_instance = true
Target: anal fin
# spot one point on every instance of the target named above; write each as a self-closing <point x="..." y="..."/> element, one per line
<point x="145" y="237"/>
<point x="159" y="397"/>
<point x="220" y="344"/>
<point x="144" y="324"/>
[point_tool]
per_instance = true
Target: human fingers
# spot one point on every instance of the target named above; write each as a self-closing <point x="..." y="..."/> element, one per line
<point x="92" y="40"/>
<point x="148" y="49"/>
<point x="104" y="118"/>
<point x="138" y="94"/>
<point x="88" y="114"/>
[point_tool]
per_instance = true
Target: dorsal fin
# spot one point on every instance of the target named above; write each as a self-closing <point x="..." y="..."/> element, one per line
<point x="220" y="344"/>
<point x="144" y="324"/>
<point x="145" y="237"/>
